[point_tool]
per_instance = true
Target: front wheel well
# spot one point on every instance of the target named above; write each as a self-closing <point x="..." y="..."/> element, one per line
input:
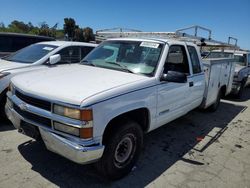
<point x="140" y="116"/>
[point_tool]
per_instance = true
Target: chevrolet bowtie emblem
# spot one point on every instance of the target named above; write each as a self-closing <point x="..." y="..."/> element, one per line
<point x="22" y="106"/>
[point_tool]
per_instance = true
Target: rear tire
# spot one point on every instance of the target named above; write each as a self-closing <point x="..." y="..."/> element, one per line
<point x="241" y="91"/>
<point x="216" y="104"/>
<point x="3" y="116"/>
<point x="122" y="151"/>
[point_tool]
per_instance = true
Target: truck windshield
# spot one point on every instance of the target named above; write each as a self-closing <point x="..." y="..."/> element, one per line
<point x="31" y="53"/>
<point x="240" y="59"/>
<point x="138" y="57"/>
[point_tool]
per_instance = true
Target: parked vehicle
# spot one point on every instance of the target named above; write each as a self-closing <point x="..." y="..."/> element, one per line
<point x="242" y="70"/>
<point x="39" y="56"/>
<point x="11" y="42"/>
<point x="121" y="90"/>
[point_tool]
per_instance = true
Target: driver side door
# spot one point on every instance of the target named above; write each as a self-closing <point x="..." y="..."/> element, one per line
<point x="172" y="99"/>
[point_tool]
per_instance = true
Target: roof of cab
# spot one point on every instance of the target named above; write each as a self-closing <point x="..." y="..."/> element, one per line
<point x="67" y="43"/>
<point x="161" y="40"/>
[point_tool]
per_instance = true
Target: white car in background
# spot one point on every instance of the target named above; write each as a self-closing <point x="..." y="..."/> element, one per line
<point x="39" y="56"/>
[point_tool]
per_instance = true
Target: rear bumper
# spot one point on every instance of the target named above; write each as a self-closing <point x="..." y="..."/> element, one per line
<point x="70" y="149"/>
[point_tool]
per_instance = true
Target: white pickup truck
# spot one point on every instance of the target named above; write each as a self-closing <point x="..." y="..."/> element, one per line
<point x="98" y="111"/>
<point x="39" y="56"/>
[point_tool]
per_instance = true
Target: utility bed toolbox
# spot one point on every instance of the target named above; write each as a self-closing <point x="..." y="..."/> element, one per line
<point x="218" y="72"/>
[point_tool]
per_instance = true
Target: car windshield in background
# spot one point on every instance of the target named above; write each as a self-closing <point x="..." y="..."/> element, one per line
<point x="31" y="53"/>
<point x="220" y="55"/>
<point x="139" y="57"/>
<point x="240" y="59"/>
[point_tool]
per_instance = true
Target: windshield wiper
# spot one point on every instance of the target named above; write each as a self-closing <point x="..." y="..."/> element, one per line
<point x="124" y="67"/>
<point x="86" y="62"/>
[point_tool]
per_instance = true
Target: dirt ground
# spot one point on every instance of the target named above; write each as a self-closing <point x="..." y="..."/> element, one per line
<point x="198" y="150"/>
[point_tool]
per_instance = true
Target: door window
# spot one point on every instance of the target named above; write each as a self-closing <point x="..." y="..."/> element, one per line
<point x="177" y="60"/>
<point x="194" y="59"/>
<point x="70" y="54"/>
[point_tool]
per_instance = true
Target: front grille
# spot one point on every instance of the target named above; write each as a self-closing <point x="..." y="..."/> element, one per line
<point x="33" y="117"/>
<point x="34" y="101"/>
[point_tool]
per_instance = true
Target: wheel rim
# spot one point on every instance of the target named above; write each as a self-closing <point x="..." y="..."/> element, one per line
<point x="125" y="150"/>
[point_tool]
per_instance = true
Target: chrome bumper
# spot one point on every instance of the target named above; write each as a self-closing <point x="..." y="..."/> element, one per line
<point x="70" y="150"/>
<point x="79" y="153"/>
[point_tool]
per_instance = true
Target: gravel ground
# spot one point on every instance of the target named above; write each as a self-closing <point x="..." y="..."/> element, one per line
<point x="198" y="150"/>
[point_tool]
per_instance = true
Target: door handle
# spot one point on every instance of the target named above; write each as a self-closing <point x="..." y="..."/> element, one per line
<point x="191" y="84"/>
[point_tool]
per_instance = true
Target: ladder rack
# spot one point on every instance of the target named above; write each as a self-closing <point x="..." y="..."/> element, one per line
<point x="179" y="34"/>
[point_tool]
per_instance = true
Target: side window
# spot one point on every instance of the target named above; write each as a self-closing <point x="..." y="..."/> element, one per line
<point x="70" y="55"/>
<point x="85" y="50"/>
<point x="194" y="59"/>
<point x="248" y="61"/>
<point x="177" y="60"/>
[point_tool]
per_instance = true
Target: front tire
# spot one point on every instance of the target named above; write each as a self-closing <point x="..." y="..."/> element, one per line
<point x="122" y="150"/>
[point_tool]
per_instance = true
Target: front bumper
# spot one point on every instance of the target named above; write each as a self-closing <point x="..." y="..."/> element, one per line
<point x="79" y="153"/>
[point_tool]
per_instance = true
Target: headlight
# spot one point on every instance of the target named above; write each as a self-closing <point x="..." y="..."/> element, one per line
<point x="66" y="129"/>
<point x="3" y="74"/>
<point x="85" y="133"/>
<point x="84" y="115"/>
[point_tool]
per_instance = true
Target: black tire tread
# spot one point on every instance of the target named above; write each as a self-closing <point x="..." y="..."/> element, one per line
<point x="104" y="166"/>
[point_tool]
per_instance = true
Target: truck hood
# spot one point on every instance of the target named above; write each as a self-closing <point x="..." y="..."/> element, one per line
<point x="73" y="83"/>
<point x="8" y="65"/>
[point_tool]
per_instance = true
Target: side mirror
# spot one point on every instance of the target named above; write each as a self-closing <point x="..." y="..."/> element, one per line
<point x="173" y="76"/>
<point x="54" y="59"/>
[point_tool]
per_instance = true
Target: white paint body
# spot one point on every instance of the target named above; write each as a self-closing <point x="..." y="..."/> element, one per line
<point x="110" y="93"/>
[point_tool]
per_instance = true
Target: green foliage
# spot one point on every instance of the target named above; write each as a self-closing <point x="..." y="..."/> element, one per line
<point x="88" y="34"/>
<point x="45" y="30"/>
<point x="75" y="33"/>
<point x="78" y="35"/>
<point x="70" y="30"/>
<point x="69" y="27"/>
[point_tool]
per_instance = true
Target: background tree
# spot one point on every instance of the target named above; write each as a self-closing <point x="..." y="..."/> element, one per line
<point x="79" y="35"/>
<point x="69" y="27"/>
<point x="18" y="27"/>
<point x="45" y="30"/>
<point x="88" y="34"/>
<point x="2" y="27"/>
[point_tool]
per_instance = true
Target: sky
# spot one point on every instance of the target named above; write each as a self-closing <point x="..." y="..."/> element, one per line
<point x="224" y="17"/>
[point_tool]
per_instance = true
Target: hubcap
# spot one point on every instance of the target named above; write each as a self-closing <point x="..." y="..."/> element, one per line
<point x="125" y="150"/>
